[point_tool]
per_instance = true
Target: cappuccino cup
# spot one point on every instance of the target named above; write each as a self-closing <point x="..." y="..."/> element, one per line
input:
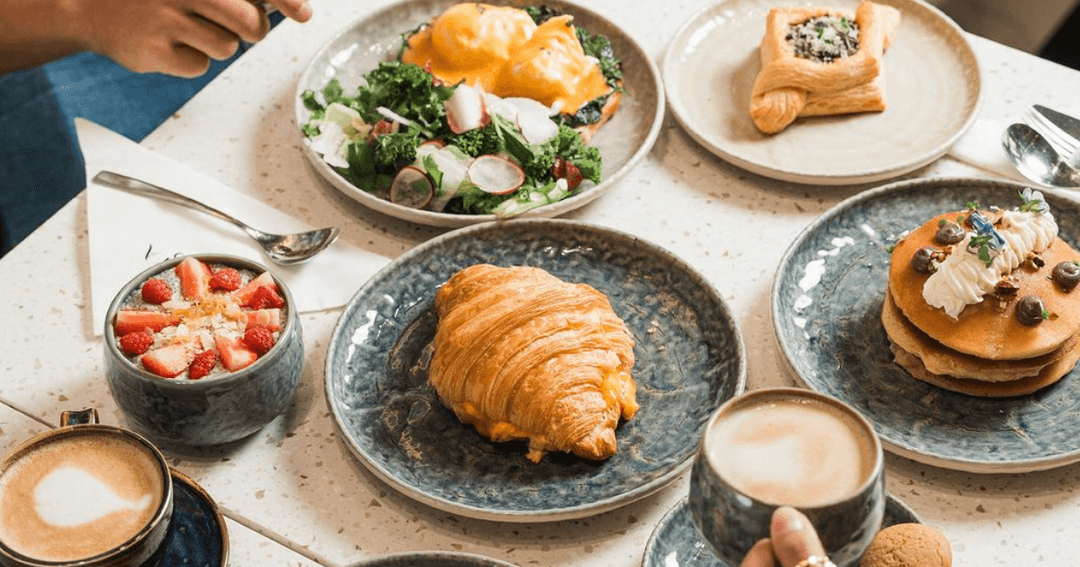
<point x="85" y="494"/>
<point x="787" y="447"/>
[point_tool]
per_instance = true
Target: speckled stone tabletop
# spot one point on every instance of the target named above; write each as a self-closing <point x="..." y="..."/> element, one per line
<point x="294" y="494"/>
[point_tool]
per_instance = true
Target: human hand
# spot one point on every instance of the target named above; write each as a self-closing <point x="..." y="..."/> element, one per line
<point x="792" y="541"/>
<point x="176" y="37"/>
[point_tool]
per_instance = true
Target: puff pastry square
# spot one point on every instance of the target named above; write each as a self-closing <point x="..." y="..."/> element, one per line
<point x="521" y="354"/>
<point x="790" y="86"/>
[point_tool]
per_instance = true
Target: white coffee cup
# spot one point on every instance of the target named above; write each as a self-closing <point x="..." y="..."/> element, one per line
<point x="85" y="494"/>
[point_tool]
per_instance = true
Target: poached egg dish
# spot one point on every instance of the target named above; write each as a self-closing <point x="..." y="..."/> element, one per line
<point x="501" y="50"/>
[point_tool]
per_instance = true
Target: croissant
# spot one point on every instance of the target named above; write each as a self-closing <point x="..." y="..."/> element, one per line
<point x="790" y="86"/>
<point x="521" y="354"/>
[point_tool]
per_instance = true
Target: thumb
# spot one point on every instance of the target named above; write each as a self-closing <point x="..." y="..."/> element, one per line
<point x="793" y="538"/>
<point x="761" y="555"/>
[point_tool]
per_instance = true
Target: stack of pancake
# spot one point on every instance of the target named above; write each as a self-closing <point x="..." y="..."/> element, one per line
<point x="987" y="349"/>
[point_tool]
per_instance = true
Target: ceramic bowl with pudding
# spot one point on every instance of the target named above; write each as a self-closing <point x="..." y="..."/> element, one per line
<point x="203" y="349"/>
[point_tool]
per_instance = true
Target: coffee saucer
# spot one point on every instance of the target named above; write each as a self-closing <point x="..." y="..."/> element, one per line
<point x="676" y="541"/>
<point x="197" y="535"/>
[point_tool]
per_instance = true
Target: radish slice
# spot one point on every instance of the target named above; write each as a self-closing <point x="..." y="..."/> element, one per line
<point x="435" y="143"/>
<point x="496" y="175"/>
<point x="465" y="109"/>
<point x="411" y="188"/>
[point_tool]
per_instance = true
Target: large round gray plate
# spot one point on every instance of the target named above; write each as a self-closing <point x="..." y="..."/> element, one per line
<point x="676" y="541"/>
<point x="826" y="307"/>
<point x="709" y="72"/>
<point x="623" y="141"/>
<point x="432" y="559"/>
<point x="689" y="360"/>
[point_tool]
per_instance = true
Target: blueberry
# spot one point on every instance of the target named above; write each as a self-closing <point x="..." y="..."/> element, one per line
<point x="1066" y="274"/>
<point x="949" y="233"/>
<point x="923" y="260"/>
<point x="1030" y="310"/>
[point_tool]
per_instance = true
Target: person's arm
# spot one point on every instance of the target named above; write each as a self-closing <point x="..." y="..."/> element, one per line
<point x="177" y="37"/>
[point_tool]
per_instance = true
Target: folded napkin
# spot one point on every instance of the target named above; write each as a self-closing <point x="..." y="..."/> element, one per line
<point x="981" y="147"/>
<point x="130" y="233"/>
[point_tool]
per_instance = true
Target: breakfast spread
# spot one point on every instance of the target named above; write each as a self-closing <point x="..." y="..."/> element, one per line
<point x="981" y="301"/>
<point x="200" y="320"/>
<point x="486" y="111"/>
<point x="908" y="545"/>
<point x="521" y="354"/>
<point x="818" y="61"/>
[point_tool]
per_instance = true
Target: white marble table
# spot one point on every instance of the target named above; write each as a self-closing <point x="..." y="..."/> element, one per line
<point x="294" y="494"/>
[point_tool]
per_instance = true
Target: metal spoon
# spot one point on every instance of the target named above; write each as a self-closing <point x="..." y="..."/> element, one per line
<point x="284" y="249"/>
<point x="1036" y="159"/>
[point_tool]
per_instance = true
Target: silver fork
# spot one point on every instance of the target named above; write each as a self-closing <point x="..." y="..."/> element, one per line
<point x="1065" y="145"/>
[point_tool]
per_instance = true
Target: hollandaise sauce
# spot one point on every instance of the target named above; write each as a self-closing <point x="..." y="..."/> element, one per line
<point x="503" y="51"/>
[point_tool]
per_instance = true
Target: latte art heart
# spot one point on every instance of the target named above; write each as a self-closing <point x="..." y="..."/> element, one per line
<point x="70" y="496"/>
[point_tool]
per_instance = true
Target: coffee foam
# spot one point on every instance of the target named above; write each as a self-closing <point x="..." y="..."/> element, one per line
<point x="77" y="496"/>
<point x="794" y="452"/>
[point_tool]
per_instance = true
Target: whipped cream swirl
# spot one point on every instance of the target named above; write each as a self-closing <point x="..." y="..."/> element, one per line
<point x="963" y="279"/>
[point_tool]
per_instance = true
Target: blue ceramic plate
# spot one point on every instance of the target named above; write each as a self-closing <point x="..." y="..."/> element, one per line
<point x="197" y="536"/>
<point x="689" y="360"/>
<point x="676" y="541"/>
<point x="432" y="559"/>
<point x="826" y="305"/>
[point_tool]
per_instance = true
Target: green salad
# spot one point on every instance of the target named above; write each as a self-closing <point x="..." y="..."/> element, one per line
<point x="407" y="138"/>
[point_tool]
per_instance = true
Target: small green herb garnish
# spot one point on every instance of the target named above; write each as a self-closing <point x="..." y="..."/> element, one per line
<point x="982" y="243"/>
<point x="1045" y="314"/>
<point x="890" y="248"/>
<point x="972" y="205"/>
<point x="1032" y="201"/>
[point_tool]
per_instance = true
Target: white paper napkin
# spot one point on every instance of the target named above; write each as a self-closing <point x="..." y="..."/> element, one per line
<point x="130" y="233"/>
<point x="981" y="147"/>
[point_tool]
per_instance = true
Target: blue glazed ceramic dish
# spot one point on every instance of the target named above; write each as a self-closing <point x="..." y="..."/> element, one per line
<point x="215" y="409"/>
<point x="197" y="534"/>
<point x="689" y="359"/>
<point x="826" y="307"/>
<point x="432" y="559"/>
<point x="676" y="541"/>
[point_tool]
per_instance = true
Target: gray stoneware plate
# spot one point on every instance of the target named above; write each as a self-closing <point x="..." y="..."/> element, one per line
<point x="709" y="70"/>
<point x="689" y="360"/>
<point x="432" y="559"/>
<point x="826" y="307"/>
<point x="676" y="541"/>
<point x="624" y="141"/>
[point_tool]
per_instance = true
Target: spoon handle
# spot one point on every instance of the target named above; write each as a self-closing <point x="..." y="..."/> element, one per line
<point x="138" y="187"/>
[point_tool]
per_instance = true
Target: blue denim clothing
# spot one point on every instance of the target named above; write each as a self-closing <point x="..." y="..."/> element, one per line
<point x="41" y="167"/>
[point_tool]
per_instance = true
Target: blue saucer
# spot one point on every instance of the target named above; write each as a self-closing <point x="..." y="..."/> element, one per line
<point x="689" y="360"/>
<point x="432" y="559"/>
<point x="676" y="541"/>
<point x="197" y="536"/>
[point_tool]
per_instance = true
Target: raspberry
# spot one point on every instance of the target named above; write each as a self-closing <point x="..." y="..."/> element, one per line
<point x="226" y="279"/>
<point x="259" y="339"/>
<point x="156" y="291"/>
<point x="137" y="342"/>
<point x="203" y="364"/>
<point x="266" y="298"/>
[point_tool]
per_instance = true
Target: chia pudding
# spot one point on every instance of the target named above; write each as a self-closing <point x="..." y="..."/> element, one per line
<point x="825" y="39"/>
<point x="199" y="320"/>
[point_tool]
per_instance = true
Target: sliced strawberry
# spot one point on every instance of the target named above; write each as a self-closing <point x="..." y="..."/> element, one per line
<point x="243" y="295"/>
<point x="170" y="361"/>
<point x="129" y="321"/>
<point x="234" y="354"/>
<point x="194" y="278"/>
<point x="269" y="318"/>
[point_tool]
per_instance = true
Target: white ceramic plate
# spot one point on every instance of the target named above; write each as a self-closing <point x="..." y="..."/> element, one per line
<point x="933" y="92"/>
<point x="359" y="48"/>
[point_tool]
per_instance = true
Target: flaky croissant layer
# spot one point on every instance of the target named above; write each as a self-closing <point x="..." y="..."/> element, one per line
<point x="521" y="354"/>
